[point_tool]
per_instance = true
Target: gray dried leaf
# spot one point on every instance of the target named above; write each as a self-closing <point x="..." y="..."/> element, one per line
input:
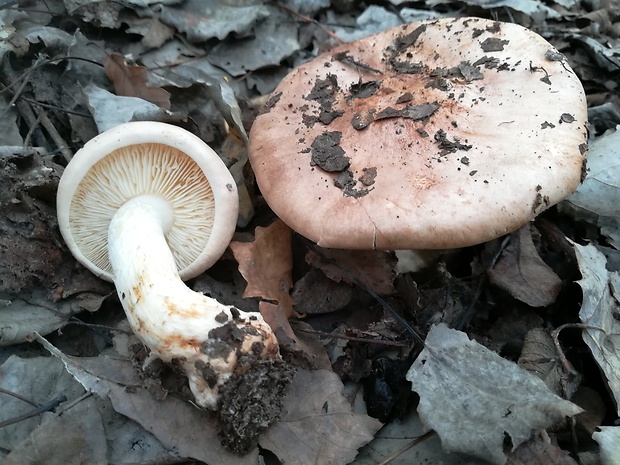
<point x="330" y="431"/>
<point x="78" y="431"/>
<point x="597" y="199"/>
<point x="219" y="91"/>
<point x="483" y="397"/>
<point x="600" y="191"/>
<point x="608" y="439"/>
<point x="599" y="309"/>
<point x="202" y="21"/>
<point x="110" y="110"/>
<point x="274" y="39"/>
<point x="188" y="431"/>
<point x="376" y="19"/>
<point x="533" y="8"/>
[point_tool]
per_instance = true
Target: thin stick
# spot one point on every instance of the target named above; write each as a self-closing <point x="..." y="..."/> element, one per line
<point x="19" y="396"/>
<point x="47" y="407"/>
<point x="356" y="339"/>
<point x="51" y="130"/>
<point x="312" y="21"/>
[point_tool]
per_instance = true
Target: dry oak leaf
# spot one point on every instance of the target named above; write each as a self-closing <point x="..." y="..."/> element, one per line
<point x="130" y="81"/>
<point x="474" y="399"/>
<point x="523" y="274"/>
<point x="267" y="263"/>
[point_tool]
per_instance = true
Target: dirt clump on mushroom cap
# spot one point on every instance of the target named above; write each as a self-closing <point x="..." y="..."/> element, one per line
<point x="435" y="134"/>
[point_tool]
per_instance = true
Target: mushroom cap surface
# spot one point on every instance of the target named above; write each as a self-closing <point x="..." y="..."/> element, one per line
<point x="435" y="134"/>
<point x="148" y="158"/>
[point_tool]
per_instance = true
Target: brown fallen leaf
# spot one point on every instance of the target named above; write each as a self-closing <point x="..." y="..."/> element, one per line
<point x="315" y="293"/>
<point x="540" y="358"/>
<point x="523" y="274"/>
<point x="130" y="81"/>
<point x="374" y="268"/>
<point x="266" y="264"/>
<point x="302" y="348"/>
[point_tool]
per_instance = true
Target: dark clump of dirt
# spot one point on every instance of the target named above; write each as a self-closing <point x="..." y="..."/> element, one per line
<point x="327" y="154"/>
<point x="251" y="400"/>
<point x="323" y="93"/>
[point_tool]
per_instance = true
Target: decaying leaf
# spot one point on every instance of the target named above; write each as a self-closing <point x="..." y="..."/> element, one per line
<point x="539" y="452"/>
<point x="110" y="110"/>
<point x="539" y="357"/>
<point x="301" y="348"/>
<point x="483" y="397"/>
<point x="523" y="274"/>
<point x="597" y="199"/>
<point x="235" y="148"/>
<point x="130" y="81"/>
<point x="315" y="293"/>
<point x="266" y="264"/>
<point x="189" y="431"/>
<point x="600" y="309"/>
<point x="75" y="434"/>
<point x="321" y="430"/>
<point x="608" y="439"/>
<point x="374" y="268"/>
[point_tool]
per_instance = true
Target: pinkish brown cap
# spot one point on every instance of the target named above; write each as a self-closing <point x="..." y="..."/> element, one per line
<point x="435" y="134"/>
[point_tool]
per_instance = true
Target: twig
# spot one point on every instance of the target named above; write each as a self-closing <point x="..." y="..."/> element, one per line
<point x="408" y="446"/>
<point x="19" y="396"/>
<point x="54" y="107"/>
<point x="353" y="338"/>
<point x="47" y="407"/>
<point x="393" y="313"/>
<point x="568" y="366"/>
<point x="51" y="130"/>
<point x="312" y="21"/>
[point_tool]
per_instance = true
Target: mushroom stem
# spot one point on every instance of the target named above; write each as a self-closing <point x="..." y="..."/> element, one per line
<point x="178" y="324"/>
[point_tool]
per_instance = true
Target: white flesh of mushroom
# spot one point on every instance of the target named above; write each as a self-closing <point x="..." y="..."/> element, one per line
<point x="175" y="322"/>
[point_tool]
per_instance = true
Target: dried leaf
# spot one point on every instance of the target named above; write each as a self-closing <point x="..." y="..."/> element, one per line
<point x="76" y="434"/>
<point x="131" y="81"/>
<point x="374" y="268"/>
<point x="315" y="293"/>
<point x="266" y="264"/>
<point x="483" y="397"/>
<point x="79" y="432"/>
<point x="301" y="350"/>
<point x="395" y="439"/>
<point x="608" y="439"/>
<point x="599" y="309"/>
<point x="189" y="431"/>
<point x="539" y="357"/>
<point x="538" y="452"/>
<point x="597" y="199"/>
<point x="322" y="429"/>
<point x="154" y="33"/>
<point x="523" y="274"/>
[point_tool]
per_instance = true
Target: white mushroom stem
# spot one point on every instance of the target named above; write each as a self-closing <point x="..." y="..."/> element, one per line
<point x="179" y="325"/>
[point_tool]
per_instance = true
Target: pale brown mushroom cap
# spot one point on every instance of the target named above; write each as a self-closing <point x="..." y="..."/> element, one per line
<point x="441" y="133"/>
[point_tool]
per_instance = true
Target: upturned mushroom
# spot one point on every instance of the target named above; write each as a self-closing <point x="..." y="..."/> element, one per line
<point x="146" y="205"/>
<point x="432" y="135"/>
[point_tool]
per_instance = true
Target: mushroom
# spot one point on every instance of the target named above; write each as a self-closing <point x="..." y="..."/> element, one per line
<point x="145" y="205"/>
<point x="432" y="135"/>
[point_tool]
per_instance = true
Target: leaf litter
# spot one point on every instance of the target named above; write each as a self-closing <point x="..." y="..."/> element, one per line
<point x="207" y="68"/>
